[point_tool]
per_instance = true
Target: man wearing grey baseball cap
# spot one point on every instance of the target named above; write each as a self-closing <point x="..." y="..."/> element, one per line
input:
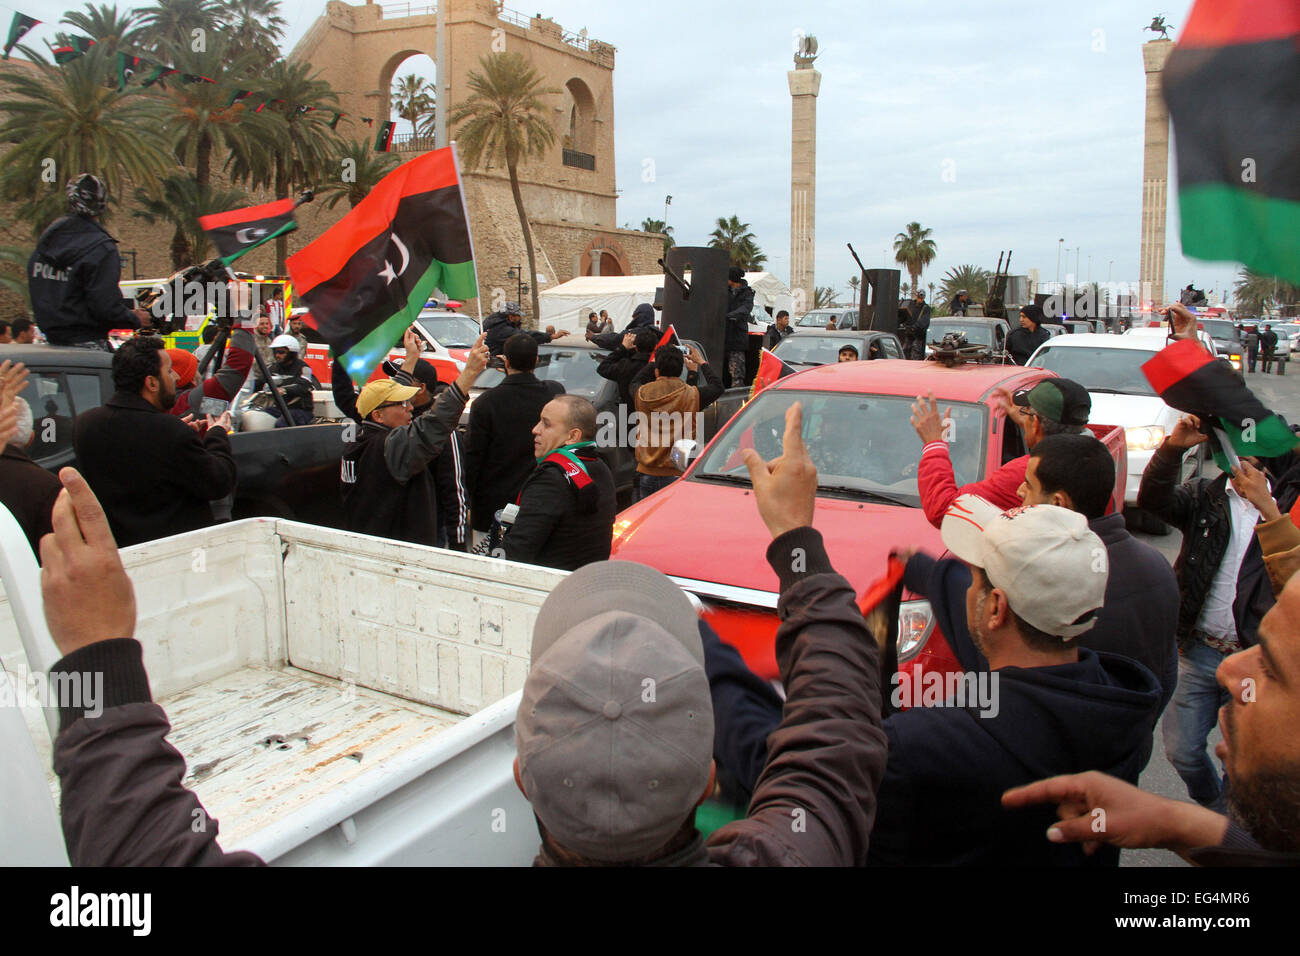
<point x="615" y="729"/>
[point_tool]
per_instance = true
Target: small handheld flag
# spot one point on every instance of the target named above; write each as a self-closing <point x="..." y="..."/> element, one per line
<point x="20" y="26"/>
<point x="669" y="338"/>
<point x="770" y="369"/>
<point x="241" y="230"/>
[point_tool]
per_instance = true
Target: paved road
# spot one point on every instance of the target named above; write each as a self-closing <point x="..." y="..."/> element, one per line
<point x="1282" y="394"/>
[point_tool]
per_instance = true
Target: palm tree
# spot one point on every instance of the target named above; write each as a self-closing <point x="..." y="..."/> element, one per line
<point x="360" y="170"/>
<point x="971" y="278"/>
<point x="505" y="121"/>
<point x="63" y="121"/>
<point x="823" y="297"/>
<point x="105" y="25"/>
<point x="253" y="26"/>
<point x="1254" y="292"/>
<point x="914" y="250"/>
<point x="734" y="236"/>
<point x="658" y="225"/>
<point x="854" y="283"/>
<point x="413" y="100"/>
<point x="171" y="23"/>
<point x="302" y="148"/>
<point x="179" y="201"/>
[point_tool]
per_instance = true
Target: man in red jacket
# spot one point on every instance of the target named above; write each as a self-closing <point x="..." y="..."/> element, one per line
<point x="1055" y="406"/>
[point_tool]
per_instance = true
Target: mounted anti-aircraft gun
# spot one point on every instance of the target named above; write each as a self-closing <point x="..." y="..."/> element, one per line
<point x="995" y="305"/>
<point x="954" y="350"/>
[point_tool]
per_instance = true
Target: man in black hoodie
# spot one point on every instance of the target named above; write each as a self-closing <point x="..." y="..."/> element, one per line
<point x="74" y="272"/>
<point x="740" y="306"/>
<point x="1022" y="342"/>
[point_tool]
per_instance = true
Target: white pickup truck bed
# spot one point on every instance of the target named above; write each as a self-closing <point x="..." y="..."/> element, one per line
<point x="338" y="698"/>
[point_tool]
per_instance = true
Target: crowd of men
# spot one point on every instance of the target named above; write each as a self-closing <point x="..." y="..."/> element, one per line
<point x="1084" y="635"/>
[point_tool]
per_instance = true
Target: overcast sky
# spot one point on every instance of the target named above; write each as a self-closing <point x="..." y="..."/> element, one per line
<point x="1035" y="109"/>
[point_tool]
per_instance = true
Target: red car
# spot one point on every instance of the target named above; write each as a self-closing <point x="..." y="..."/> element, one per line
<point x="704" y="531"/>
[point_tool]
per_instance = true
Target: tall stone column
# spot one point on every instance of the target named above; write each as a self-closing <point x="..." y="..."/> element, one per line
<point x="1155" y="175"/>
<point x="804" y="85"/>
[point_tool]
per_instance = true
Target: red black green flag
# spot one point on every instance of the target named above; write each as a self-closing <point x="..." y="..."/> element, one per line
<point x="17" y="30"/>
<point x="126" y="68"/>
<point x="366" y="279"/>
<point x="238" y="95"/>
<point x="238" y="231"/>
<point x="335" y="121"/>
<point x="770" y="368"/>
<point x="1233" y="90"/>
<point x="669" y="338"/>
<point x="196" y="78"/>
<point x="369" y="121"/>
<point x="1191" y="380"/>
<point x="384" y="138"/>
<point x="156" y="74"/>
<point x="76" y="47"/>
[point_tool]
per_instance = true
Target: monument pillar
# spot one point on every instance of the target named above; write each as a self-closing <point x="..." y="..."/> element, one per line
<point x="804" y="85"/>
<point x="1155" y="175"/>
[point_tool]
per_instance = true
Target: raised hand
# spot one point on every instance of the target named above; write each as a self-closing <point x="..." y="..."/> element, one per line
<point x="927" y="421"/>
<point x="785" y="488"/>
<point x="1187" y="433"/>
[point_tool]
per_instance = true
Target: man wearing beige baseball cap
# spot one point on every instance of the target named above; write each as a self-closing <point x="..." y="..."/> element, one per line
<point x="1031" y="581"/>
<point x="615" y="729"/>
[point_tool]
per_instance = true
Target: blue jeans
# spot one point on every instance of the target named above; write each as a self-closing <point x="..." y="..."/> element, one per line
<point x="647" y="485"/>
<point x="1189" y="719"/>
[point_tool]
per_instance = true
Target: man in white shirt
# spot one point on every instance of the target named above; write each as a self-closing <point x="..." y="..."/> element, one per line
<point x="1224" y="592"/>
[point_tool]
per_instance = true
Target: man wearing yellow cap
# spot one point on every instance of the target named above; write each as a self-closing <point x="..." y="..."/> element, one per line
<point x="388" y="490"/>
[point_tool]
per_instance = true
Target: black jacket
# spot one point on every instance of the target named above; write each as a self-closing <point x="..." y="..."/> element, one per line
<point x="740" y="307"/>
<point x="1141" y="610"/>
<point x="500" y="454"/>
<point x="622" y="366"/>
<point x="152" y="473"/>
<point x="498" y="328"/>
<point x="1199" y="509"/>
<point x="296" y="382"/>
<point x="1021" y="343"/>
<point x="388" y="489"/>
<point x="73" y="277"/>
<point x="775" y="335"/>
<point x="560" y="526"/>
<point x="940" y="802"/>
<point x="28" y="491"/>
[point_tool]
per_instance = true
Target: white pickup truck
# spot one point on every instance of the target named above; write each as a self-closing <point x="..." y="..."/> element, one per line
<point x="339" y="699"/>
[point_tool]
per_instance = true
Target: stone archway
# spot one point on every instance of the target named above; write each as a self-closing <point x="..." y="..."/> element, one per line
<point x="604" y="257"/>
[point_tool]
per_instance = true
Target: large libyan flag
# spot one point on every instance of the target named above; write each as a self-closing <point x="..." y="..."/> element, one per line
<point x="1233" y="89"/>
<point x="366" y="279"/>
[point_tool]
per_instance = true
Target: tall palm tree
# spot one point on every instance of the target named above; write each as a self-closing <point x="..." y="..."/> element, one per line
<point x="1254" y="292"/>
<point x="105" y="25"/>
<point x="179" y="201"/>
<point x="914" y="250"/>
<point x="63" y="121"/>
<point x="171" y="23"/>
<point x="359" y="170"/>
<point x="301" y="150"/>
<point x="971" y="278"/>
<point x="854" y="283"/>
<point x="412" y="99"/>
<point x="658" y="225"/>
<point x="253" y="26"/>
<point x="505" y="120"/>
<point x="734" y="236"/>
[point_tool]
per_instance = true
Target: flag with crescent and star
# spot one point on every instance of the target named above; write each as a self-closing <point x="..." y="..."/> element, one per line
<point x="366" y="279"/>
<point x="17" y="30"/>
<point x="238" y="231"/>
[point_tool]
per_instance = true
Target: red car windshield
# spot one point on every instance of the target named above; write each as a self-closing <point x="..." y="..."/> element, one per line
<point x="859" y="443"/>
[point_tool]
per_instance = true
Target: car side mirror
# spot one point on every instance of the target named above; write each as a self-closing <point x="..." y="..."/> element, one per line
<point x="685" y="451"/>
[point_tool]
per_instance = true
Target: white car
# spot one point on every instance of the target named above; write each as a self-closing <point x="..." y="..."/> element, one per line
<point x="1110" y="368"/>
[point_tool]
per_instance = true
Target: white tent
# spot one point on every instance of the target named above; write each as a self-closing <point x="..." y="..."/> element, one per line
<point x="567" y="305"/>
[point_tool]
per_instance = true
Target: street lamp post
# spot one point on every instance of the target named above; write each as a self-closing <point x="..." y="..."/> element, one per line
<point x="1060" y="244"/>
<point x="517" y="273"/>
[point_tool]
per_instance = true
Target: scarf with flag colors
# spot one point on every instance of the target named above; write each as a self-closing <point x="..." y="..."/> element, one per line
<point x="1232" y="85"/>
<point x="366" y="279"/>
<point x="19" y="28"/>
<point x="238" y="231"/>
<point x="770" y="368"/>
<point x="1191" y="380"/>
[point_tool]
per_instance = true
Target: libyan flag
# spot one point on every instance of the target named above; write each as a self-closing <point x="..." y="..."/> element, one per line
<point x="770" y="368"/>
<point x="366" y="279"/>
<point x="1233" y="90"/>
<point x="17" y="30"/>
<point x="1189" y="379"/>
<point x="384" y="138"/>
<point x="126" y="67"/>
<point x="77" y="47"/>
<point x="238" y="231"/>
